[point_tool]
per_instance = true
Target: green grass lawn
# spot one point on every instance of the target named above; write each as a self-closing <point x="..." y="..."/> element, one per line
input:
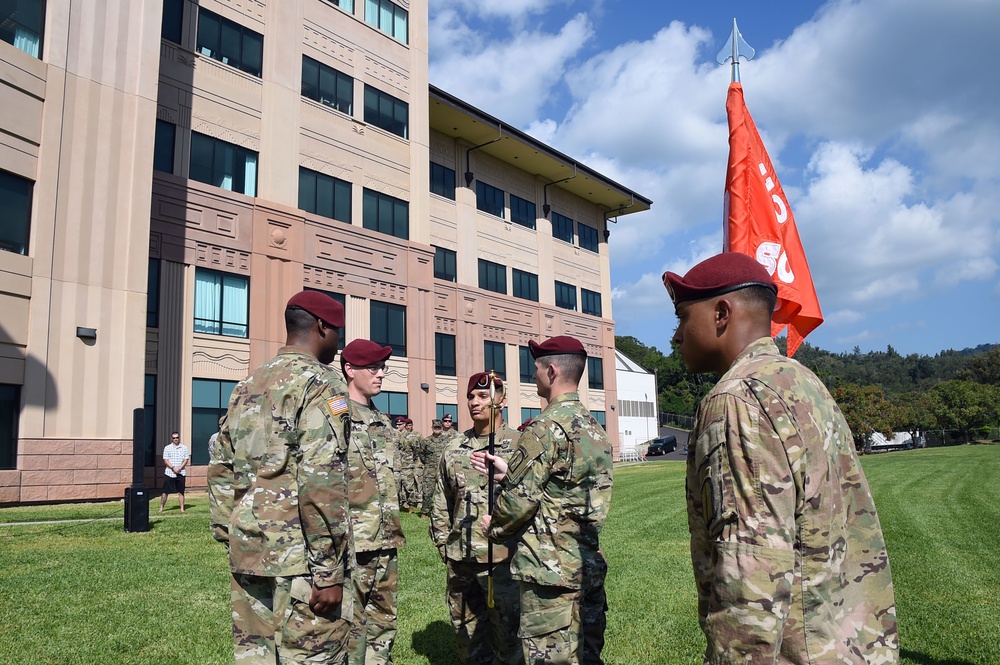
<point x="86" y="592"/>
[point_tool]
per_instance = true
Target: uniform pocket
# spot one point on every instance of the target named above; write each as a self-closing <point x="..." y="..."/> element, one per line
<point x="546" y="620"/>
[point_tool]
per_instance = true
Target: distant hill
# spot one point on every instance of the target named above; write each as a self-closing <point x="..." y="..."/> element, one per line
<point x="679" y="391"/>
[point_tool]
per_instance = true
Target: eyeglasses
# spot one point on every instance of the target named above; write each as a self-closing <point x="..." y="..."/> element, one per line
<point x="374" y="369"/>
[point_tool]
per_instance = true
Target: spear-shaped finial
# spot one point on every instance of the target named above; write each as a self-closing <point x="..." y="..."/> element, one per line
<point x="736" y="48"/>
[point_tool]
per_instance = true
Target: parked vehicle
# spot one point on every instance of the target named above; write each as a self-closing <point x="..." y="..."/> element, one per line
<point x="662" y="445"/>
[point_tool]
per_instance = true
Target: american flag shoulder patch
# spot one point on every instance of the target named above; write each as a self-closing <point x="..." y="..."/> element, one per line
<point x="337" y="405"/>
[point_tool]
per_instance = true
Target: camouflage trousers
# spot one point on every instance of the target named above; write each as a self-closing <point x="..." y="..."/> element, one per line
<point x="562" y="626"/>
<point x="272" y="623"/>
<point x="376" y="580"/>
<point x="408" y="496"/>
<point x="484" y="635"/>
<point x="427" y="485"/>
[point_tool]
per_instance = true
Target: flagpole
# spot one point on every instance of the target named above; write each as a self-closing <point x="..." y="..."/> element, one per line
<point x="737" y="47"/>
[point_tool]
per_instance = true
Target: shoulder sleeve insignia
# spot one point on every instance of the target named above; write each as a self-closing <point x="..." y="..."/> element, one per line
<point x="528" y="450"/>
<point x="337" y="406"/>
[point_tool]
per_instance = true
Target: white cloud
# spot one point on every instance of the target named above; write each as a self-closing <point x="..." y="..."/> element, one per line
<point x="878" y="115"/>
<point x="508" y="78"/>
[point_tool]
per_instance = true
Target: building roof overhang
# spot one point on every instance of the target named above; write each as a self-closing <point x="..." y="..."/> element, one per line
<point x="453" y="117"/>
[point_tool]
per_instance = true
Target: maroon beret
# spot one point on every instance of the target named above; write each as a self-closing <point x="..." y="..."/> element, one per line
<point x="319" y="305"/>
<point x="447" y="417"/>
<point x="364" y="352"/>
<point x="481" y="381"/>
<point x="399" y="420"/>
<point x="561" y="345"/>
<point x="717" y="275"/>
<point x="407" y="421"/>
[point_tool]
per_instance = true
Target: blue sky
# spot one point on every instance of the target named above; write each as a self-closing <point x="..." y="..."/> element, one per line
<point x="882" y="118"/>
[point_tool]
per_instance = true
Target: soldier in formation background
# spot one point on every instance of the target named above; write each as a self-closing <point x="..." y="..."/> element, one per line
<point x="278" y="496"/>
<point x="431" y="449"/>
<point x="789" y="559"/>
<point x="484" y="635"/>
<point x="411" y="497"/>
<point x="374" y="502"/>
<point x="556" y="494"/>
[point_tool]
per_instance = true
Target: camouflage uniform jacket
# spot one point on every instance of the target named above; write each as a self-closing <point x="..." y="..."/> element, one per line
<point x="277" y="475"/>
<point x="558" y="487"/>
<point x="788" y="553"/>
<point x="374" y="495"/>
<point x="461" y="495"/>
<point x="431" y="448"/>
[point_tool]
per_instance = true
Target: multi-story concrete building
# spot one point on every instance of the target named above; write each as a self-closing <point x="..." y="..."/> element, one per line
<point x="171" y="172"/>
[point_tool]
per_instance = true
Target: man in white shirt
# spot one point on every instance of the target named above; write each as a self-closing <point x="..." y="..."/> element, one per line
<point x="176" y="457"/>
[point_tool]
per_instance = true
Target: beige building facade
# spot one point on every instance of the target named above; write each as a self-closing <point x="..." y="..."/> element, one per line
<point x="172" y="172"/>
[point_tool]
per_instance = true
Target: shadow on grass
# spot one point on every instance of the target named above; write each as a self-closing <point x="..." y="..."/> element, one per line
<point x="436" y="642"/>
<point x="924" y="659"/>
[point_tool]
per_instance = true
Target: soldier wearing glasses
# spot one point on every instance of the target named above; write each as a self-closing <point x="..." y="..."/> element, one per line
<point x="374" y="500"/>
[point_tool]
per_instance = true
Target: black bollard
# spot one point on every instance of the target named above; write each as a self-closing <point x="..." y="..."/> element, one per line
<point x="137" y="496"/>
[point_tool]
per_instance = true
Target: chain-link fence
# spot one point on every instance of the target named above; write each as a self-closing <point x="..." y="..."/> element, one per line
<point x="674" y="420"/>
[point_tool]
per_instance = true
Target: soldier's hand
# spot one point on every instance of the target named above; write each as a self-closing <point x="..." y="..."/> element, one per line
<point x="481" y="460"/>
<point x="485" y="522"/>
<point x="326" y="600"/>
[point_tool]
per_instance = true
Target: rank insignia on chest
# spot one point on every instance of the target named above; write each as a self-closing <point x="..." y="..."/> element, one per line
<point x="337" y="405"/>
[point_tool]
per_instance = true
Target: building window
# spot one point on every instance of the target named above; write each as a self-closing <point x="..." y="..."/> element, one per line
<point x="528" y="413"/>
<point x="565" y="296"/>
<point x="442" y="181"/>
<point x="149" y="419"/>
<point x="522" y="211"/>
<point x="447" y="409"/>
<point x="562" y="227"/>
<point x="209" y="402"/>
<point x="599" y="416"/>
<point x="391" y="404"/>
<point x="444" y="264"/>
<point x="15" y="212"/>
<point x="10" y="408"/>
<point x="595" y="373"/>
<point x="492" y="276"/>
<point x="386" y="214"/>
<point x="153" y="294"/>
<point x="385" y="111"/>
<point x="527" y="364"/>
<point x="324" y="195"/>
<point x="21" y="24"/>
<point x="172" y="20"/>
<point x="339" y="297"/>
<point x="495" y="354"/>
<point x="388" y="17"/>
<point x="590" y="302"/>
<point x="230" y="43"/>
<point x="489" y="199"/>
<point x="444" y="354"/>
<point x="525" y="285"/>
<point x="346" y="5"/>
<point x="222" y="164"/>
<point x="388" y="326"/>
<point x="221" y="303"/>
<point x="163" y="146"/>
<point x="327" y="86"/>
<point x="588" y="237"/>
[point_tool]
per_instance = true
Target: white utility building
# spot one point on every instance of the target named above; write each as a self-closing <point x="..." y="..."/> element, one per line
<point x="637" y="413"/>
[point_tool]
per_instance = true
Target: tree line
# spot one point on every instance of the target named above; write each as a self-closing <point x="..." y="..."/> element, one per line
<point x="878" y="391"/>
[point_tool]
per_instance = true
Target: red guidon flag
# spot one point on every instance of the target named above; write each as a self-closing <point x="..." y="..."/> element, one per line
<point x="759" y="223"/>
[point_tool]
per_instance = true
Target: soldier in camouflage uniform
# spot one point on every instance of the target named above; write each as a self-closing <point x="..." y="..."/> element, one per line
<point x="374" y="500"/>
<point x="431" y="449"/>
<point x="556" y="493"/>
<point x="485" y="635"/>
<point x="411" y="467"/>
<point x="277" y="480"/>
<point x="789" y="559"/>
